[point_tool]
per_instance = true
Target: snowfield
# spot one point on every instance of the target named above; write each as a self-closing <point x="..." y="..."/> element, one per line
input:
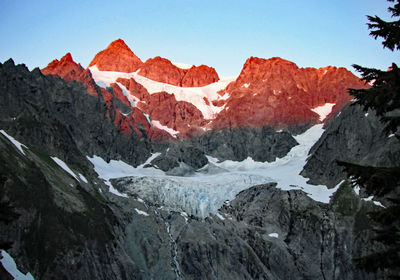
<point x="324" y="110"/>
<point x="207" y="190"/>
<point x="194" y="95"/>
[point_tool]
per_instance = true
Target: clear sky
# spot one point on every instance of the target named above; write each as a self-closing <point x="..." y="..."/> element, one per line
<point x="221" y="34"/>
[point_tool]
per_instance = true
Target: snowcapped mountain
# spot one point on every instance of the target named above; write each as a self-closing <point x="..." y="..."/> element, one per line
<point x="157" y="170"/>
<point x="188" y="102"/>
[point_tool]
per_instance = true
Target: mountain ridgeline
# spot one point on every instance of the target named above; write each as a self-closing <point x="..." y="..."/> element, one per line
<point x="69" y="217"/>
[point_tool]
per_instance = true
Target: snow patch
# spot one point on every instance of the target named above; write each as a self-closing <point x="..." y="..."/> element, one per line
<point x="170" y="131"/>
<point x="112" y="169"/>
<point x="15" y="142"/>
<point x="185" y="216"/>
<point x="64" y="166"/>
<point x="274" y="235"/>
<point x="220" y="216"/>
<point x="9" y="265"/>
<point x="246" y="85"/>
<point x="147" y="117"/>
<point x="83" y="178"/>
<point x="182" y="65"/>
<point x="324" y="110"/>
<point x="113" y="190"/>
<point x="140" y="212"/>
<point x="150" y="159"/>
<point x="377" y="203"/>
<point x="131" y="98"/>
<point x="225" y="96"/>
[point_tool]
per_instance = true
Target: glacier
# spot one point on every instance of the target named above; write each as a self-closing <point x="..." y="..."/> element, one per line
<point x="210" y="187"/>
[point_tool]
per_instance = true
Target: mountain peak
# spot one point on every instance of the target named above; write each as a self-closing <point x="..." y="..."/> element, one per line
<point x="273" y="61"/>
<point x="69" y="70"/>
<point x="117" y="57"/>
<point x="163" y="70"/>
<point x="66" y="63"/>
<point x="119" y="44"/>
<point x="67" y="58"/>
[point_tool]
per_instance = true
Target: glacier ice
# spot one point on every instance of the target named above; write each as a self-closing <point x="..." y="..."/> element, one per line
<point x="207" y="190"/>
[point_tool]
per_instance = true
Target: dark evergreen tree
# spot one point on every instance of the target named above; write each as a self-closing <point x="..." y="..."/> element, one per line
<point x="384" y="97"/>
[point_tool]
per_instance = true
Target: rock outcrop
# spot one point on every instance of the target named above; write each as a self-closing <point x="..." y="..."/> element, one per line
<point x="352" y="136"/>
<point x="117" y="57"/>
<point x="180" y="116"/>
<point x="126" y="117"/>
<point x="199" y="76"/>
<point x="260" y="143"/>
<point x="162" y="70"/>
<point x="67" y="69"/>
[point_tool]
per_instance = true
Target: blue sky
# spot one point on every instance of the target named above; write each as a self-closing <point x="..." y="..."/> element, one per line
<point x="221" y="34"/>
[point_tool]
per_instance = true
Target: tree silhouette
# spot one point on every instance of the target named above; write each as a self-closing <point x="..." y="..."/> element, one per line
<point x="384" y="97"/>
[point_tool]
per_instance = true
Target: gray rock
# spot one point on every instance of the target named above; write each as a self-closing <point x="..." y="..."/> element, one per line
<point x="183" y="170"/>
<point x="211" y="169"/>
<point x="180" y="152"/>
<point x="261" y="144"/>
<point x="353" y="136"/>
<point x="57" y="116"/>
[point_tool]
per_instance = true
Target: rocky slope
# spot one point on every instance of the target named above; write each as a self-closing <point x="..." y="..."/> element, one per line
<point x="353" y="136"/>
<point x="45" y="111"/>
<point x="75" y="229"/>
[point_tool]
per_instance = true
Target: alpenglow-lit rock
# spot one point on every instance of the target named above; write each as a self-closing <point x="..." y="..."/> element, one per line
<point x="117" y="57"/>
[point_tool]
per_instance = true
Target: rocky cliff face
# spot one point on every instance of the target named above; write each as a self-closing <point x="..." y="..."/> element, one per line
<point x="352" y="136"/>
<point x="267" y="233"/>
<point x="276" y="92"/>
<point x="67" y="69"/>
<point x="268" y="92"/>
<point x="117" y="57"/>
<point x="162" y="70"/>
<point x="32" y="101"/>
